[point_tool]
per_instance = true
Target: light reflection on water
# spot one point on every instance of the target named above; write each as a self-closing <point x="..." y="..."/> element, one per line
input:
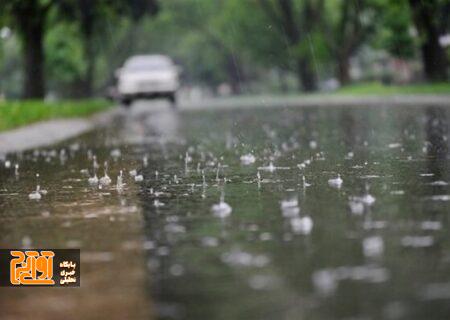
<point x="293" y="246"/>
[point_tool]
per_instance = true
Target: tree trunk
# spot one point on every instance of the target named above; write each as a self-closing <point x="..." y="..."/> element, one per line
<point x="32" y="25"/>
<point x="434" y="60"/>
<point x="282" y="81"/>
<point x="234" y="74"/>
<point x="343" y="69"/>
<point x="344" y="39"/>
<point x="306" y="76"/>
<point x="434" y="57"/>
<point x="87" y="18"/>
<point x="88" y="79"/>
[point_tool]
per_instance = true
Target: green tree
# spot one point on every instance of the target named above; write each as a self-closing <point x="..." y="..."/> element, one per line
<point x="65" y="63"/>
<point x="207" y="29"/>
<point x="91" y="17"/>
<point x="297" y="22"/>
<point x="351" y="24"/>
<point x="431" y="18"/>
<point x="395" y="34"/>
<point x="29" y="19"/>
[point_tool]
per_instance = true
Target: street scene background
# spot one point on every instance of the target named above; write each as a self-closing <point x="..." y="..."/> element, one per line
<point x="257" y="159"/>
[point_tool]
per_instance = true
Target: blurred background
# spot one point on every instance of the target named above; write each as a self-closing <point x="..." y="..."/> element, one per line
<point x="71" y="48"/>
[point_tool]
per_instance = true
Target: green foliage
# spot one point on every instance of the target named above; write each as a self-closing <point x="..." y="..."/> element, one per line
<point x="64" y="54"/>
<point x="248" y="28"/>
<point x="18" y="113"/>
<point x="32" y="19"/>
<point x="215" y="41"/>
<point x="394" y="34"/>
<point x="198" y="34"/>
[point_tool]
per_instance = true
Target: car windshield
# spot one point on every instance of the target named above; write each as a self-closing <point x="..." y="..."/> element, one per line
<point x="146" y="64"/>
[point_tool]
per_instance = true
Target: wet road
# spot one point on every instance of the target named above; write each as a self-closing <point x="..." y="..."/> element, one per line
<point x="265" y="213"/>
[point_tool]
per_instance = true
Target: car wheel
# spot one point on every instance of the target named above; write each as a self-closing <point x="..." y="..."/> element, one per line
<point x="173" y="100"/>
<point x="126" y="102"/>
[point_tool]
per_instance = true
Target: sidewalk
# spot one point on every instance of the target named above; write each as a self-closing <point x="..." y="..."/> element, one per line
<point x="49" y="132"/>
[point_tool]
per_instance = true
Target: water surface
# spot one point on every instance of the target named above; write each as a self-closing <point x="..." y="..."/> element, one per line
<point x="375" y="248"/>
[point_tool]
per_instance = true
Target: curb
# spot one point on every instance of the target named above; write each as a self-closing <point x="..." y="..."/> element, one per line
<point x="413" y="100"/>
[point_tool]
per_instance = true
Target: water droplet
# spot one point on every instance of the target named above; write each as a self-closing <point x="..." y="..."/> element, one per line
<point x="335" y="182"/>
<point x="247" y="159"/>
<point x="373" y="246"/>
<point x="221" y="209"/>
<point x="302" y="225"/>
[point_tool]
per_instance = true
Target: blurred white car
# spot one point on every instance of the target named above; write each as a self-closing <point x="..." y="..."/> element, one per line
<point x="147" y="76"/>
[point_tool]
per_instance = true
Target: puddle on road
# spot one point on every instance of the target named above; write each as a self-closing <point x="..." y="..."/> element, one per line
<point x="259" y="213"/>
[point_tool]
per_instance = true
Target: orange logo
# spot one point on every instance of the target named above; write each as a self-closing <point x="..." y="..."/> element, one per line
<point x="32" y="267"/>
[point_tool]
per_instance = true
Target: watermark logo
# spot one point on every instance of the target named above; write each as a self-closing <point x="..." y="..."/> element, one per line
<point x="31" y="268"/>
<point x="40" y="267"/>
